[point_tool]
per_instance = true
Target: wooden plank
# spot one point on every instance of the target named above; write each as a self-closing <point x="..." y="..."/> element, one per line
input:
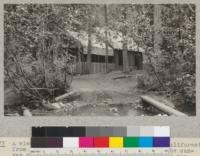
<point x="78" y="67"/>
<point x="161" y="106"/>
<point x="92" y="68"/>
<point x="98" y="69"/>
<point x="81" y="67"/>
<point x="84" y="68"/>
<point x="95" y="66"/>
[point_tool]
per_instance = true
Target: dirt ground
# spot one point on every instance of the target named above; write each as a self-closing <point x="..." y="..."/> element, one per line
<point x="114" y="93"/>
<point x="102" y="88"/>
<point x="103" y="94"/>
<point x="96" y="89"/>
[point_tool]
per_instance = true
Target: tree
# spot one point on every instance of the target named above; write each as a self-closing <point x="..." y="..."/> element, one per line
<point x="106" y="36"/>
<point x="171" y="62"/>
<point x="34" y="37"/>
<point x="85" y="16"/>
<point x="178" y="51"/>
<point x="120" y="22"/>
<point x="157" y="28"/>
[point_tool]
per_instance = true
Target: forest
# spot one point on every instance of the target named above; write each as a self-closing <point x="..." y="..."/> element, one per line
<point x="59" y="56"/>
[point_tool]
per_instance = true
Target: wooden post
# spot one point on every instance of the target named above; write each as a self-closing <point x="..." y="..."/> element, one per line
<point x="125" y="56"/>
<point x="79" y="60"/>
<point x="89" y="48"/>
<point x="125" y="45"/>
<point x="106" y="36"/>
<point x="116" y="59"/>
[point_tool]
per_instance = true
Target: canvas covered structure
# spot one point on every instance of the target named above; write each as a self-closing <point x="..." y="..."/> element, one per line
<point x="115" y="48"/>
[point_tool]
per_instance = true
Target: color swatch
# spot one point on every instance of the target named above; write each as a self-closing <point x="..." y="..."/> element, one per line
<point x="101" y="142"/>
<point x="116" y="142"/>
<point x="131" y="142"/>
<point x="146" y="142"/>
<point x="86" y="142"/>
<point x="71" y="142"/>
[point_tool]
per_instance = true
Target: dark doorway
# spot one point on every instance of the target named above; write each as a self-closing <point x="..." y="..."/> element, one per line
<point x="138" y="60"/>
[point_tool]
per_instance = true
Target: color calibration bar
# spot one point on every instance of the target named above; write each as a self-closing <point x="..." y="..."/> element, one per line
<point x="100" y="142"/>
<point x="100" y="137"/>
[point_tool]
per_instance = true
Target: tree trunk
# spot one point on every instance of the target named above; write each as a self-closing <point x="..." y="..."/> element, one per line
<point x="42" y="58"/>
<point x="106" y="35"/>
<point x="125" y="46"/>
<point x="79" y="60"/>
<point x="89" y="48"/>
<point x="125" y="56"/>
<point x="157" y="27"/>
<point x="157" y="42"/>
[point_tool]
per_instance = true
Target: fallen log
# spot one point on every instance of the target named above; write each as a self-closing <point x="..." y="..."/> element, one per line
<point x="161" y="106"/>
<point x="67" y="95"/>
<point x="121" y="77"/>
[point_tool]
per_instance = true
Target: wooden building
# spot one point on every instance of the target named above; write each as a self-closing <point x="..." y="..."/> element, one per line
<point x="115" y="60"/>
<point x="135" y="59"/>
<point x="115" y="55"/>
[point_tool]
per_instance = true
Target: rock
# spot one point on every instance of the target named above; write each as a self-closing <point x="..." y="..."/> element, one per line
<point x="56" y="105"/>
<point x="52" y="106"/>
<point x="69" y="106"/>
<point x="140" y="81"/>
<point x="165" y="115"/>
<point x="61" y="104"/>
<point x="75" y="103"/>
<point x="138" y="106"/>
<point x="14" y="114"/>
<point x="26" y="112"/>
<point x="114" y="110"/>
<point x="138" y="101"/>
<point x="115" y="114"/>
<point x="108" y="101"/>
<point x="169" y="103"/>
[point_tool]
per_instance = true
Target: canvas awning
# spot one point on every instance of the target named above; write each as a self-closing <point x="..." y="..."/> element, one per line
<point x="98" y="47"/>
<point x="115" y="40"/>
